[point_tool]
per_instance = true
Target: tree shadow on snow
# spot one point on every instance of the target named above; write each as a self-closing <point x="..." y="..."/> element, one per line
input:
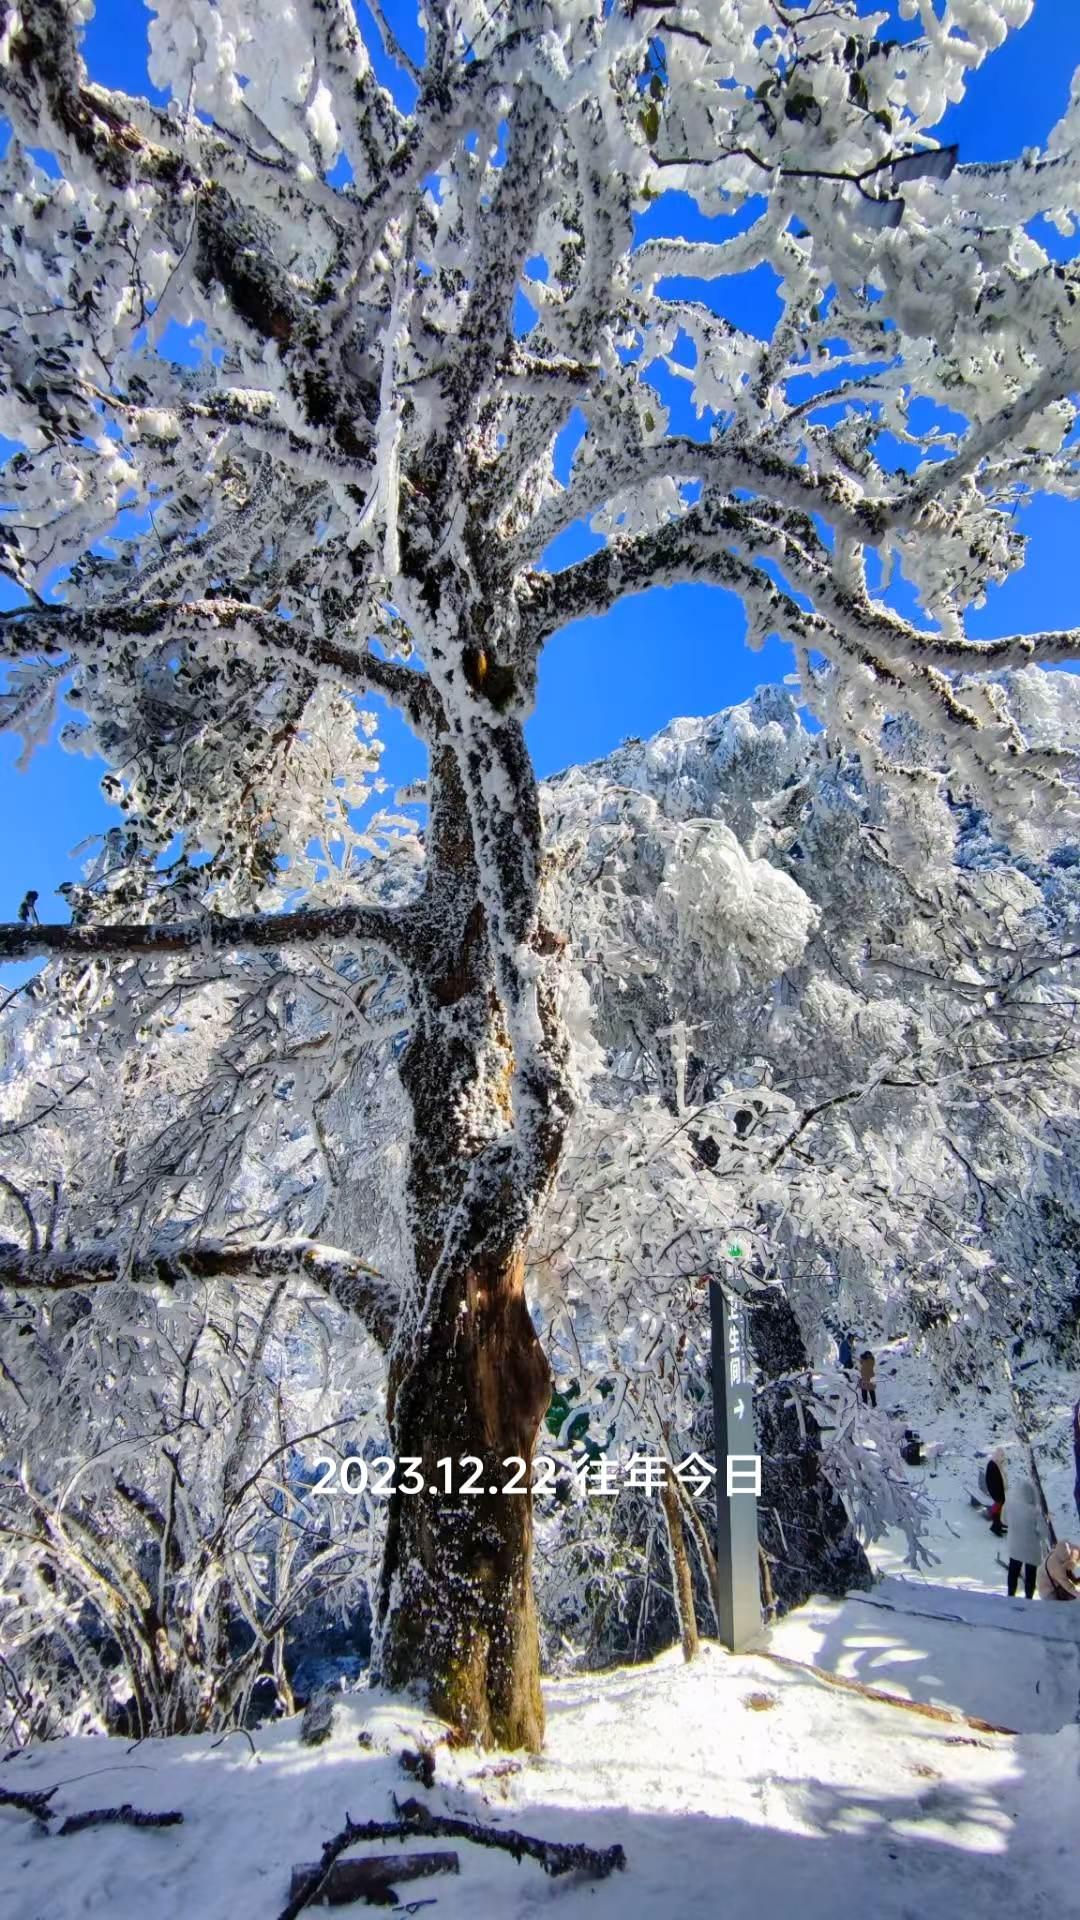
<point x="1009" y="1680"/>
<point x="928" y="1855"/>
<point x="932" y="1850"/>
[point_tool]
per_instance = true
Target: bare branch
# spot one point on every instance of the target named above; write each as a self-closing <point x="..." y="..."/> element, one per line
<point x="386" y="927"/>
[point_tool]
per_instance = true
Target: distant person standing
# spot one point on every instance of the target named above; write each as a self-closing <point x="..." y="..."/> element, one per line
<point x="1076" y="1455"/>
<point x="993" y="1484"/>
<point x="847" y="1361"/>
<point x="868" y="1379"/>
<point x="1029" y="1541"/>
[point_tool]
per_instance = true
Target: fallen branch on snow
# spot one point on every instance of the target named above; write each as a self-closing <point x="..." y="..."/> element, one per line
<point x="125" y="1816"/>
<point x="555" y="1856"/>
<point x="372" y="1876"/>
<point x="37" y="1804"/>
<point x="30" y="1802"/>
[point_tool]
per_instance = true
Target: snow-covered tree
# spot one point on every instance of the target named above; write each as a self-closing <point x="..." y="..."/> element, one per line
<point x="352" y="488"/>
<point x="832" y="1020"/>
<point x="828" y="1014"/>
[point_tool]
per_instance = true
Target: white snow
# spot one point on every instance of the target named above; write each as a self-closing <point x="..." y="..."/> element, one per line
<point x="735" y="1787"/>
<point x="1013" y="1663"/>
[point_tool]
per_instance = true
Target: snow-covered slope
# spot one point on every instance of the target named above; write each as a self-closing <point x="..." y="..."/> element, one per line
<point x="736" y="1787"/>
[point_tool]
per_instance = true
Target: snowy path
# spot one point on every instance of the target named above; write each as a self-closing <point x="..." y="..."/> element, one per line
<point x="972" y="1608"/>
<point x="1012" y="1662"/>
<point x="736" y="1787"/>
<point x="959" y="1436"/>
<point x="949" y="1634"/>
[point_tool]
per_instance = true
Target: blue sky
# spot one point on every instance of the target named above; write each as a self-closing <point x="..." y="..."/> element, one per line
<point x="671" y="651"/>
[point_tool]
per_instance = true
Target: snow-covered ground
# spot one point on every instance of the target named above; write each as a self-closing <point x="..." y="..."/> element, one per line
<point x="736" y="1787"/>
<point x="1004" y="1661"/>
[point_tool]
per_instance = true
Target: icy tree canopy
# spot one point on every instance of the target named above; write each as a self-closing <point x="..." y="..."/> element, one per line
<point x="427" y="330"/>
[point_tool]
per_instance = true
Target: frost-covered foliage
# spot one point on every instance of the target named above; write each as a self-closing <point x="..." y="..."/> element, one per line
<point x="307" y="374"/>
<point x="159" y="1538"/>
<point x="711" y="1124"/>
<point x="834" y="1048"/>
<point x="835" y="1038"/>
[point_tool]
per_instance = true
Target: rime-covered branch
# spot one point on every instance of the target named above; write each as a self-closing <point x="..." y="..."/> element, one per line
<point x="52" y="631"/>
<point x="213" y="932"/>
<point x="344" y="1278"/>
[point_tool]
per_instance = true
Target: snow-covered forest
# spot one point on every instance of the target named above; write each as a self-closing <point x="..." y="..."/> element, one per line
<point x="353" y="1136"/>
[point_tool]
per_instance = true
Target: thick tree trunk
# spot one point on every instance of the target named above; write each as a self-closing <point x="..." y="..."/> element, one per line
<point x="469" y="1382"/>
<point x="458" y="1614"/>
<point x="807" y="1542"/>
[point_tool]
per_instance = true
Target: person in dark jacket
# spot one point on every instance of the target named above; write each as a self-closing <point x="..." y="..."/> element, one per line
<point x="1076" y="1455"/>
<point x="847" y="1360"/>
<point x="995" y="1483"/>
<point x="867" y="1380"/>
